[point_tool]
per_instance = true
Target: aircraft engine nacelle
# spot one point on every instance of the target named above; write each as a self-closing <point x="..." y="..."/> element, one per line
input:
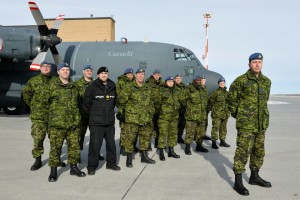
<point x="19" y="43"/>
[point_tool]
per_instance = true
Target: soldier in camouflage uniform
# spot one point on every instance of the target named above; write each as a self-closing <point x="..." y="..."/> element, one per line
<point x="139" y="111"/>
<point x="180" y="93"/>
<point x="155" y="83"/>
<point x="123" y="80"/>
<point x="196" y="110"/>
<point x="220" y="113"/>
<point x="168" y="118"/>
<point x="35" y="94"/>
<point x="82" y="84"/>
<point x="64" y="122"/>
<point x="248" y="96"/>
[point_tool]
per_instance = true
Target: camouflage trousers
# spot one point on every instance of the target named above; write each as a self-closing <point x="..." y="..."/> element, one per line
<point x="219" y="128"/>
<point x="122" y="133"/>
<point x="249" y="144"/>
<point x="38" y="133"/>
<point x="167" y="130"/>
<point x="83" y="129"/>
<point x="131" y="131"/>
<point x="57" y="137"/>
<point x="194" y="130"/>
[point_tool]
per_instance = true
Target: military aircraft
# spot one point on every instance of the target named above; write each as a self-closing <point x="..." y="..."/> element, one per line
<point x="23" y="48"/>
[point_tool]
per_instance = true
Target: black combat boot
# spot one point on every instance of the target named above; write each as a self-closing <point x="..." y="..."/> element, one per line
<point x="206" y="137"/>
<point x="161" y="154"/>
<point x="149" y="147"/>
<point x="37" y="164"/>
<point x="146" y="159"/>
<point x="224" y="144"/>
<point x="75" y="171"/>
<point x="53" y="175"/>
<point x="122" y="151"/>
<point x="101" y="157"/>
<point x="172" y="153"/>
<point x="214" y="144"/>
<point x="179" y="139"/>
<point x="187" y="150"/>
<point x="200" y="148"/>
<point x="239" y="187"/>
<point x="62" y="164"/>
<point x="255" y="179"/>
<point x="129" y="160"/>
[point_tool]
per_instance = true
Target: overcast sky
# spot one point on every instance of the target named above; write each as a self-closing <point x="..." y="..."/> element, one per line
<point x="237" y="29"/>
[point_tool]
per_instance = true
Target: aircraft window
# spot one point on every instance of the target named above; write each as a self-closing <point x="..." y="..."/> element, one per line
<point x="183" y="55"/>
<point x="175" y="50"/>
<point x="189" y="71"/>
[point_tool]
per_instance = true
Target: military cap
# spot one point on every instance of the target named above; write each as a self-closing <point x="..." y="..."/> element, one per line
<point x="169" y="78"/>
<point x="195" y="77"/>
<point x="256" y="56"/>
<point x="177" y="75"/>
<point x="102" y="69"/>
<point x="44" y="62"/>
<point x="156" y="71"/>
<point x="87" y="67"/>
<point x="128" y="71"/>
<point x="221" y="80"/>
<point x="140" y="70"/>
<point x="61" y="65"/>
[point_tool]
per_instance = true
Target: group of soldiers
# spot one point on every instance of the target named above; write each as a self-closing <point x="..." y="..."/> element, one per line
<point x="147" y="109"/>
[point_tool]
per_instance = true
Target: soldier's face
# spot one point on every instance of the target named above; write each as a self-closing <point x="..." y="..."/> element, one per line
<point x="46" y="69"/>
<point x="222" y="84"/>
<point x="103" y="76"/>
<point x="88" y="73"/>
<point x="156" y="76"/>
<point x="255" y="66"/>
<point x="197" y="81"/>
<point x="202" y="82"/>
<point x="140" y="77"/>
<point x="64" y="72"/>
<point x="130" y="76"/>
<point x="178" y="80"/>
<point x="170" y="83"/>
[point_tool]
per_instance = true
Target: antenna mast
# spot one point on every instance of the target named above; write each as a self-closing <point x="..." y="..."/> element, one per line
<point x="205" y="56"/>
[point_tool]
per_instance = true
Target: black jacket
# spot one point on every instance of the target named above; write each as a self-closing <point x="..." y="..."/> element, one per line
<point x="99" y="102"/>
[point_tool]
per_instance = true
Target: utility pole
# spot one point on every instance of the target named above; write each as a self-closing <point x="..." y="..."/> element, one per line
<point x="205" y="56"/>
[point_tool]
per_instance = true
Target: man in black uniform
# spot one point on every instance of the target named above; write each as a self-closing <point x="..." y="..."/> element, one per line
<point x="99" y="101"/>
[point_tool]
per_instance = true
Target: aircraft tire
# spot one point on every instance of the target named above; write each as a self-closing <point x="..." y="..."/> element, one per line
<point x="13" y="110"/>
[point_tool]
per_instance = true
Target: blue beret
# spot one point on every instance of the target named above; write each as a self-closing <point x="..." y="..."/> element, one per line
<point x="156" y="71"/>
<point x="61" y="65"/>
<point x="128" y="71"/>
<point x="43" y="63"/>
<point x="255" y="56"/>
<point x="195" y="77"/>
<point x="202" y="77"/>
<point x="177" y="75"/>
<point x="140" y="70"/>
<point x="169" y="78"/>
<point x="221" y="80"/>
<point x="102" y="69"/>
<point x="87" y="67"/>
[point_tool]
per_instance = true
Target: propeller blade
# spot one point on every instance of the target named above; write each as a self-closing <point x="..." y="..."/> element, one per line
<point x="39" y="19"/>
<point x="57" y="24"/>
<point x="56" y="56"/>
<point x="35" y="65"/>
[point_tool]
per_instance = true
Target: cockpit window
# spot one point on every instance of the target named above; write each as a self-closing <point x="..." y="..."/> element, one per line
<point x="183" y="55"/>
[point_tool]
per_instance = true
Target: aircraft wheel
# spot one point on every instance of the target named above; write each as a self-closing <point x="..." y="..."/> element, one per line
<point x="13" y="110"/>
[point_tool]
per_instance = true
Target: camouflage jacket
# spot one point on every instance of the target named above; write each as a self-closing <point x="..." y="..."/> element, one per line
<point x="180" y="92"/>
<point x="196" y="103"/>
<point x="217" y="103"/>
<point x="169" y="104"/>
<point x="155" y="87"/>
<point x="247" y="100"/>
<point x="35" y="95"/>
<point x="63" y="100"/>
<point x="138" y="103"/>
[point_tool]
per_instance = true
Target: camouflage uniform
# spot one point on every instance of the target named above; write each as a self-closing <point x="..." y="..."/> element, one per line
<point x="35" y="94"/>
<point x="122" y="82"/>
<point x="155" y="86"/>
<point x="180" y="94"/>
<point x="64" y="122"/>
<point x="82" y="84"/>
<point x="139" y="112"/>
<point x="220" y="113"/>
<point x="248" y="96"/>
<point x="168" y="118"/>
<point x="196" y="110"/>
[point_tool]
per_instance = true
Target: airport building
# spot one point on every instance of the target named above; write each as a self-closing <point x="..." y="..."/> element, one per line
<point x="86" y="29"/>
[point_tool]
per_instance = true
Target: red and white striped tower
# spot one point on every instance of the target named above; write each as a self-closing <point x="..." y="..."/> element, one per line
<point x="205" y="56"/>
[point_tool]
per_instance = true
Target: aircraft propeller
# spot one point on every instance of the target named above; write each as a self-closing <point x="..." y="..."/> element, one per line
<point x="49" y="38"/>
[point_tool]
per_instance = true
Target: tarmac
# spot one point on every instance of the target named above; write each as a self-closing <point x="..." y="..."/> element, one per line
<point x="198" y="176"/>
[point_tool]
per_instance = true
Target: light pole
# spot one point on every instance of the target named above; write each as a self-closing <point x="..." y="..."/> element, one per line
<point x="205" y="56"/>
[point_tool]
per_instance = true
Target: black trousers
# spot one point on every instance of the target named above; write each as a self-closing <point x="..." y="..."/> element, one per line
<point x="97" y="133"/>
